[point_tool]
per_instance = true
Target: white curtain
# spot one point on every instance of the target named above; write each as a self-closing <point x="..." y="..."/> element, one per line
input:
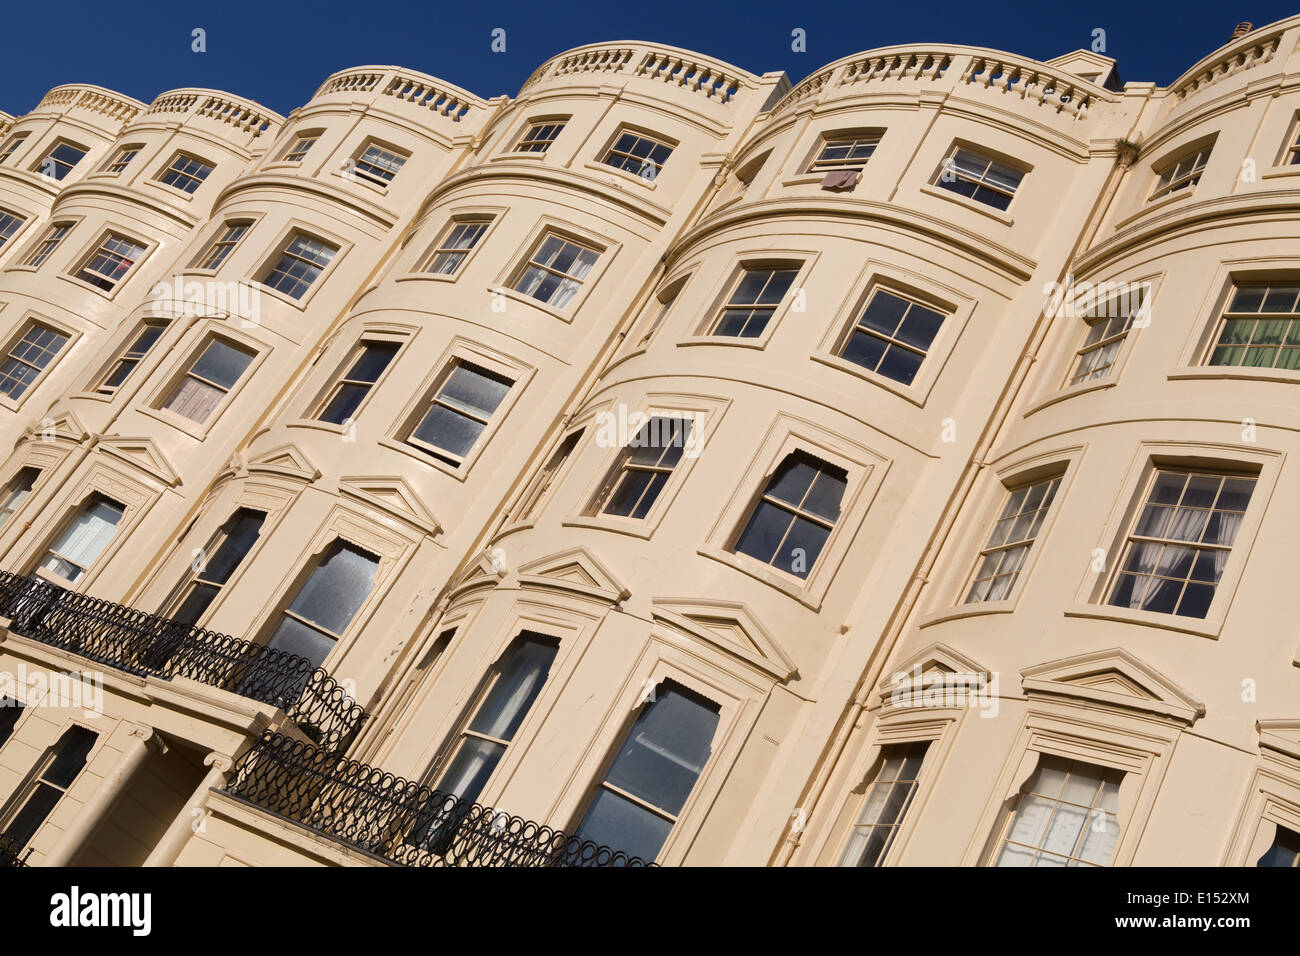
<point x="194" y="400"/>
<point x="87" y="537"/>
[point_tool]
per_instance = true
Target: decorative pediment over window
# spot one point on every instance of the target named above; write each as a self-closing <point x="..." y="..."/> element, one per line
<point x="935" y="668"/>
<point x="732" y="628"/>
<point x="287" y="460"/>
<point x="1282" y="736"/>
<point x="1115" y="678"/>
<point x="577" y="571"/>
<point x="58" y="425"/>
<point x="393" y="496"/>
<point x="484" y="572"/>
<point x="142" y="453"/>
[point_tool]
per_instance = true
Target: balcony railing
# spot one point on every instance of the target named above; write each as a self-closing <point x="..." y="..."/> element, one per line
<point x="148" y="645"/>
<point x="11" y="854"/>
<point x="397" y="819"/>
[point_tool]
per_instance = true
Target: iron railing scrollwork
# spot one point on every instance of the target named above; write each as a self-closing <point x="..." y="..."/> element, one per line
<point x="12" y="853"/>
<point x="397" y="819"/>
<point x="145" y="644"/>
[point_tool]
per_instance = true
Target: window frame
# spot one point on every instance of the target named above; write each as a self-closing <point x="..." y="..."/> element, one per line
<point x="29" y="321"/>
<point x="48" y="154"/>
<point x="459" y="350"/>
<point x="275" y="250"/>
<point x="352" y="172"/>
<point x="12" y="144"/>
<point x="704" y="332"/>
<point x="217" y="238"/>
<point x="1095" y="586"/>
<point x="121" y="353"/>
<point x="115" y="159"/>
<point x="437" y="247"/>
<point x="23" y="223"/>
<point x="826" y="138"/>
<point x="1169" y="163"/>
<point x="170" y="168"/>
<point x="179" y="592"/>
<point x="314" y="135"/>
<point x="601" y="161"/>
<point x="933" y="184"/>
<point x="81" y="262"/>
<point x="40" y="241"/>
<point x="27" y="788"/>
<point x="82" y="505"/>
<point x="369" y="335"/>
<point x="537" y="122"/>
<point x="523" y="258"/>
<point x="171" y="378"/>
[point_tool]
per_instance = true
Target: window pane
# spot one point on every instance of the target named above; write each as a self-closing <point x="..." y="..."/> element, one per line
<point x="520" y="679"/>
<point x="222" y="363"/>
<point x="337" y="588"/>
<point x="666" y="749"/>
<point x="619" y="823"/>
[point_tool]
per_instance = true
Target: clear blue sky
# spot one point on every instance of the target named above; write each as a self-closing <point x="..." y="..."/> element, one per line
<point x="278" y="52"/>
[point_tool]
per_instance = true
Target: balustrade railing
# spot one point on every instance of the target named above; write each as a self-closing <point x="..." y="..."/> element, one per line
<point x="397" y="819"/>
<point x="145" y="644"/>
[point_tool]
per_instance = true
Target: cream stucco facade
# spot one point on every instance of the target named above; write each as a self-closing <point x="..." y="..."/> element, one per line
<point x="887" y="470"/>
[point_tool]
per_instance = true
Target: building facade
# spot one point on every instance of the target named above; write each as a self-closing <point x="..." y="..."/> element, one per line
<point x="663" y="465"/>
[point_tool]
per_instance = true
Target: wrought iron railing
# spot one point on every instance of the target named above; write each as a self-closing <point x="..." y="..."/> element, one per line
<point x="149" y="645"/>
<point x="398" y="819"/>
<point x="12" y="853"/>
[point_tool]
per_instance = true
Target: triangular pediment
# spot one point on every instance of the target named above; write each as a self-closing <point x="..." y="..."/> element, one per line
<point x="286" y="460"/>
<point x="57" y="424"/>
<point x="936" y="667"/>
<point x="1281" y="736"/>
<point x="1116" y="678"/>
<point x="576" y="570"/>
<point x="730" y="627"/>
<point x="143" y="453"/>
<point x="482" y="572"/>
<point x="393" y="496"/>
<point x="1088" y="66"/>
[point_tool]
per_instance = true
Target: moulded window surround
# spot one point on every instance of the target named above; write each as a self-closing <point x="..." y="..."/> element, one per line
<point x="658" y="764"/>
<point x="892" y="335"/>
<point x="120" y="160"/>
<point x="1177" y="548"/>
<point x="501" y="703"/>
<point x="978" y="176"/>
<point x="204" y="388"/>
<point x="554" y="271"/>
<point x="1108" y="322"/>
<point x="326" y="602"/>
<point x="845" y="149"/>
<point x="1290" y="148"/>
<point x="460" y="410"/>
<point x="652" y="317"/>
<point x="757" y="292"/>
<point x="1284" y="850"/>
<point x="643" y="468"/>
<point x="218" y="250"/>
<point x="788" y="526"/>
<point x="458" y="239"/>
<point x="377" y="163"/>
<point x="355" y="379"/>
<point x="17" y="491"/>
<point x="1259" y="326"/>
<point x="133" y="351"/>
<point x="10" y="223"/>
<point x="1180" y="173"/>
<point x="11" y="146"/>
<point x="27" y="357"/>
<point x="110" y="263"/>
<point x="84" y="538"/>
<point x="1066" y="815"/>
<point x="185" y="173"/>
<point x="539" y="135"/>
<point x="1019" y="524"/>
<point x="297" y="151"/>
<point x="51" y="778"/>
<point x="640" y="153"/>
<point x="219" y="559"/>
<point x="888" y="798"/>
<point x="60" y="160"/>
<point x="298" y="265"/>
<point x="538" y="492"/>
<point x="54" y="235"/>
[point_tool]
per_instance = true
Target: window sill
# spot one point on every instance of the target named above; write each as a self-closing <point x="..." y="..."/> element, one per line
<point x="426" y="458"/>
<point x="92" y="396"/>
<point x="803" y="179"/>
<point x="91" y="287"/>
<point x="1069" y="392"/>
<point x="356" y="179"/>
<point x="513" y="156"/>
<point x="565" y="315"/>
<point x="1154" y="205"/>
<point x="1237" y="372"/>
<point x="775" y="579"/>
<point x="728" y="341"/>
<point x="648" y="184"/>
<point x="314" y="425"/>
<point x="427" y="277"/>
<point x="1199" y="627"/>
<point x="299" y="304"/>
<point x="632" y="527"/>
<point x="1281" y="172"/>
<point x="910" y="393"/>
<point x="964" y="611"/>
<point x="996" y="215"/>
<point x="187" y="426"/>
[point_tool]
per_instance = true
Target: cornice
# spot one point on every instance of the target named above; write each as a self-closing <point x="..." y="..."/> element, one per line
<point x="294" y="184"/>
<point x="981" y="247"/>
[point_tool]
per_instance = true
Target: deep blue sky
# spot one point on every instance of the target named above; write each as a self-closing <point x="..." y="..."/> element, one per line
<point x="278" y="52"/>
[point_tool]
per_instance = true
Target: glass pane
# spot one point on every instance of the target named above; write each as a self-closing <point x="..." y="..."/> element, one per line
<point x="619" y="823"/>
<point x="295" y="637"/>
<point x="469" y="771"/>
<point x="337" y="588"/>
<point x="222" y="363"/>
<point x="666" y="749"/>
<point x="87" y="537"/>
<point x="371" y="363"/>
<point x="73" y="749"/>
<point x="449" y="430"/>
<point x="474" y="389"/>
<point x="240" y="533"/>
<point x="763" y="535"/>
<point x="519" y="680"/>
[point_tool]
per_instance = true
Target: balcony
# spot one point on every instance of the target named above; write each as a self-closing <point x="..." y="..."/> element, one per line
<point x="148" y="645"/>
<point x="398" y="820"/>
<point x="11" y="854"/>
